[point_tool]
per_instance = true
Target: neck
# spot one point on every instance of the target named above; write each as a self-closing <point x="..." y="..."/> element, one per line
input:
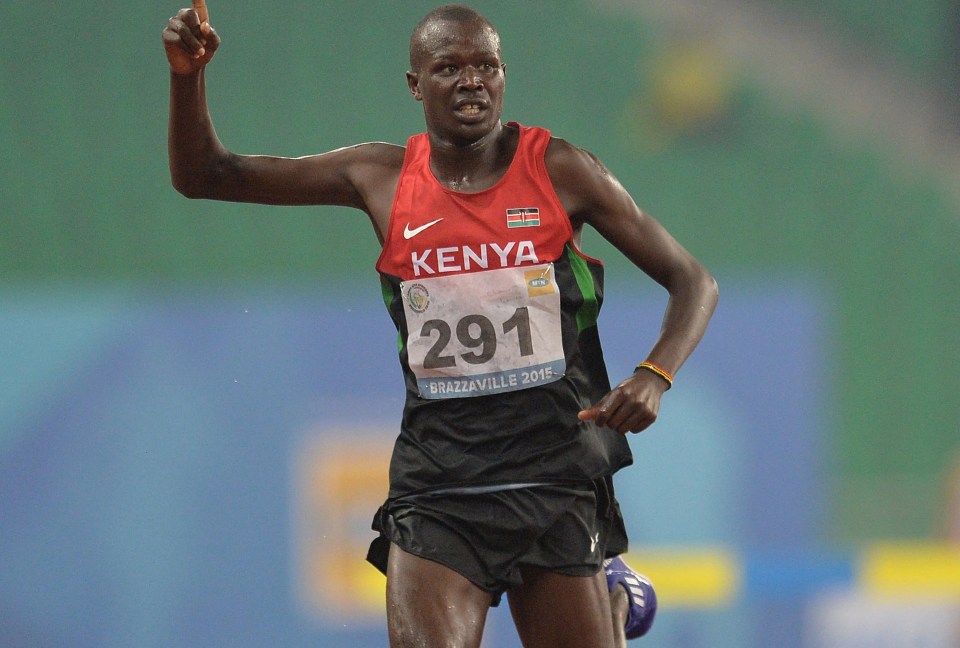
<point x="473" y="166"/>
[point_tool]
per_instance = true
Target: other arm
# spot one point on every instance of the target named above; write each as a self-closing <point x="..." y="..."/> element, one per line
<point x="592" y="195"/>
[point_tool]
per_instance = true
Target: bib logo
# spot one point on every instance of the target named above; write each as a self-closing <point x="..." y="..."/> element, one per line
<point x="539" y="281"/>
<point x="418" y="297"/>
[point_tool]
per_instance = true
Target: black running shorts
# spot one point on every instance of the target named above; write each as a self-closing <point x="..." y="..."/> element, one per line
<point x="488" y="536"/>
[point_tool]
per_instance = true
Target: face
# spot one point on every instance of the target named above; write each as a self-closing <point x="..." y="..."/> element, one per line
<point x="459" y="77"/>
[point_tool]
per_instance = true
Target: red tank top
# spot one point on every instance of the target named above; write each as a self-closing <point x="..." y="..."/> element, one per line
<point x="434" y="230"/>
<point x="475" y="428"/>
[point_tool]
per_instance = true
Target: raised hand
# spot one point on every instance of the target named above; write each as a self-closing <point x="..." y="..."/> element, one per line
<point x="189" y="40"/>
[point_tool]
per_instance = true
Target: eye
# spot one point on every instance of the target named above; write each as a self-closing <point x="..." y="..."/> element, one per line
<point x="487" y="67"/>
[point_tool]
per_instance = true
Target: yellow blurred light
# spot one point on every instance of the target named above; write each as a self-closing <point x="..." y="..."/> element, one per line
<point x="689" y="578"/>
<point x="912" y="569"/>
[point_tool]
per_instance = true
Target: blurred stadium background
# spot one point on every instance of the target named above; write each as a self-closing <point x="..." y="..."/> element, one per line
<point x="198" y="399"/>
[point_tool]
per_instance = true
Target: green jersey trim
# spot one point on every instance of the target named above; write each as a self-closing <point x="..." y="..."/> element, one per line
<point x="588" y="313"/>
<point x="388" y="292"/>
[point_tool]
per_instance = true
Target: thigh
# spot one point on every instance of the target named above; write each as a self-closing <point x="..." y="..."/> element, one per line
<point x="552" y="610"/>
<point x="430" y="605"/>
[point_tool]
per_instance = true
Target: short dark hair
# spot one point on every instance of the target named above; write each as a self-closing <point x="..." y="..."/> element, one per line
<point x="456" y="13"/>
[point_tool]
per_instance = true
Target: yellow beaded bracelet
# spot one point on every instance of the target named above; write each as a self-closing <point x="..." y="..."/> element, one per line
<point x="660" y="371"/>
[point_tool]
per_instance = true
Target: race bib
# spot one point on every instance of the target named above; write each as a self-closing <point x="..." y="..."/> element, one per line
<point x="484" y="332"/>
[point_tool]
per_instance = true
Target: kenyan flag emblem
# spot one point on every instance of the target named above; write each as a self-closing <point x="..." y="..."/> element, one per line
<point x="523" y="217"/>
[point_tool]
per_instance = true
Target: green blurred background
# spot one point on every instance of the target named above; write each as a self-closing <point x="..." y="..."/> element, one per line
<point x="759" y="184"/>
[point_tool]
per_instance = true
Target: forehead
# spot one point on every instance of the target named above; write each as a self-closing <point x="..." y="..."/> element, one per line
<point x="444" y="38"/>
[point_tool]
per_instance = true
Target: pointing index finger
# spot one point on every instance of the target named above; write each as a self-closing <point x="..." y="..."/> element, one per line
<point x="200" y="6"/>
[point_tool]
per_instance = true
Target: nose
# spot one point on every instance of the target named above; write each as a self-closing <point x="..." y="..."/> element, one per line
<point x="470" y="78"/>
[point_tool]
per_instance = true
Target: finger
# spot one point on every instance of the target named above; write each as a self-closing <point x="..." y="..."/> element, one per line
<point x="199" y="38"/>
<point x="178" y="31"/>
<point x="638" y="422"/>
<point x="600" y="411"/>
<point x="210" y="40"/>
<point x="200" y="6"/>
<point x="619" y="420"/>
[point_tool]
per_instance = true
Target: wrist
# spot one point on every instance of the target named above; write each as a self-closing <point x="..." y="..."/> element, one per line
<point x="651" y="367"/>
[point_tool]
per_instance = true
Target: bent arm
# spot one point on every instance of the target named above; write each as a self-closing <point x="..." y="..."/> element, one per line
<point x="592" y="195"/>
<point x="202" y="167"/>
<point x="194" y="151"/>
<point x="197" y="157"/>
<point x="692" y="290"/>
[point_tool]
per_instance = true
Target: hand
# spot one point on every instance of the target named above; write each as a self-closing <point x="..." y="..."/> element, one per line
<point x="189" y="43"/>
<point x="631" y="406"/>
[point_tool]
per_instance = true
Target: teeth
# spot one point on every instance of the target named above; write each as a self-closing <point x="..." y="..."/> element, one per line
<point x="470" y="109"/>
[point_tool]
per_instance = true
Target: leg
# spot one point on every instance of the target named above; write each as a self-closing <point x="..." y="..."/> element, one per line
<point x="432" y="606"/>
<point x="556" y="611"/>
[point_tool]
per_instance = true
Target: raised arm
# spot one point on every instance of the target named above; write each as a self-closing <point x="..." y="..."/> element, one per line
<point x="592" y="195"/>
<point x="360" y="176"/>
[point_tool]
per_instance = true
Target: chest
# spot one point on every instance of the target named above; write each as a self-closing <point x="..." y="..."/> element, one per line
<point x="435" y="235"/>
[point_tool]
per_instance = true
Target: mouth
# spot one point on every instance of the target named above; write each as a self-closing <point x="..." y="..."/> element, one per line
<point x="470" y="109"/>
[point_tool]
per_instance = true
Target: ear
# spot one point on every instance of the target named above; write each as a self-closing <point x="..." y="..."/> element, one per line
<point x="413" y="84"/>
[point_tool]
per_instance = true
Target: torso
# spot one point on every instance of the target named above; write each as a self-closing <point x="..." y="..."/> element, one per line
<point x="454" y="269"/>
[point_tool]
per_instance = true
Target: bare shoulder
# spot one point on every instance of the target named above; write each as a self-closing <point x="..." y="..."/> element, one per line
<point x="563" y="158"/>
<point x="373" y="169"/>
<point x="386" y="152"/>
<point x="371" y="155"/>
<point x="373" y="164"/>
<point x="581" y="180"/>
<point x="355" y="175"/>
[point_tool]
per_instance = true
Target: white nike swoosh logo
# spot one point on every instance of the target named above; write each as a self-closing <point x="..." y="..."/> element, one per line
<point x="410" y="233"/>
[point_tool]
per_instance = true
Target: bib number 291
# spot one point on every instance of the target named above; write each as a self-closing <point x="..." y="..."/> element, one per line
<point x="475" y="332"/>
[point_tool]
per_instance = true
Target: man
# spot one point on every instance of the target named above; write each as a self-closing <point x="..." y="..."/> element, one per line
<point x="501" y="476"/>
